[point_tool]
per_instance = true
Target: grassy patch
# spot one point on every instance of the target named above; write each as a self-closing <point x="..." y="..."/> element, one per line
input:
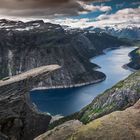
<point x="93" y="112"/>
<point x="138" y="51"/>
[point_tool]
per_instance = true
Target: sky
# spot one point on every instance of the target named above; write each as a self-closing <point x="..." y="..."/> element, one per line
<point x="74" y="13"/>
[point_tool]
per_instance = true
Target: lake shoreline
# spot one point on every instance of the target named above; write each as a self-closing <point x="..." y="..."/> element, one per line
<point x="88" y="82"/>
<point x="66" y="100"/>
<point x="70" y="86"/>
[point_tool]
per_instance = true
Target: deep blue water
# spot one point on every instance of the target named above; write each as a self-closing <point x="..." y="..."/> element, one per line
<point x="67" y="101"/>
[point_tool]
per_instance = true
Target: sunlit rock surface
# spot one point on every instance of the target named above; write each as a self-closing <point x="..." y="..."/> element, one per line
<point x="61" y="132"/>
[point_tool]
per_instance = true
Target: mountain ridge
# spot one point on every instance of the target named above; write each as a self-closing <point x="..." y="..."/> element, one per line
<point x="22" y="50"/>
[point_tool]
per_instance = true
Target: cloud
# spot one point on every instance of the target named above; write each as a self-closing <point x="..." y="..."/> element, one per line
<point x="122" y="18"/>
<point x="38" y="7"/>
<point x="26" y="4"/>
<point x="56" y="11"/>
<point x="47" y="7"/>
<point x="136" y="3"/>
<point x="91" y="7"/>
<point x="124" y="15"/>
<point x="127" y="16"/>
<point x="120" y="5"/>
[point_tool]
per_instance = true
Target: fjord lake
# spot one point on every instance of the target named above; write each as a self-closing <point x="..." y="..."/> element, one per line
<point x="69" y="100"/>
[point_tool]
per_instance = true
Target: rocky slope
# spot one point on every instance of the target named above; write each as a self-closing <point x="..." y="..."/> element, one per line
<point x="119" y="125"/>
<point x="61" y="132"/>
<point x="24" y="46"/>
<point x="135" y="63"/>
<point x="19" y="120"/>
<point x="119" y="97"/>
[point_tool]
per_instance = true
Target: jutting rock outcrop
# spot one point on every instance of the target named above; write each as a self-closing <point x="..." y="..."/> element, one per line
<point x="19" y="119"/>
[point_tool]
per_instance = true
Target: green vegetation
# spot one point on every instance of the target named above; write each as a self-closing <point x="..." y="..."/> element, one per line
<point x="111" y="100"/>
<point x="117" y="125"/>
<point x="138" y="51"/>
<point x="95" y="112"/>
<point x="100" y="105"/>
<point x="135" y="58"/>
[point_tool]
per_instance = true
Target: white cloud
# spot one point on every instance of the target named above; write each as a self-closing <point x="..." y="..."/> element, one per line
<point x="128" y="15"/>
<point x="74" y="23"/>
<point x="105" y="8"/>
<point x="122" y="18"/>
<point x="90" y="7"/>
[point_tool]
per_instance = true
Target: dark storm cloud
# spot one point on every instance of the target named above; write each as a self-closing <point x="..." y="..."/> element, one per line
<point x="41" y="7"/>
<point x="32" y="3"/>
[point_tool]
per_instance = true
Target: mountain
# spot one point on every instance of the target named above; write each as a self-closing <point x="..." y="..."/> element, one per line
<point x="24" y="46"/>
<point x="25" y="51"/>
<point x="130" y="32"/>
<point x="100" y="122"/>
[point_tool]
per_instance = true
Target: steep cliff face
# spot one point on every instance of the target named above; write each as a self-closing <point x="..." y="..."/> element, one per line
<point x="24" y="46"/>
<point x="119" y="125"/>
<point x="19" y="120"/>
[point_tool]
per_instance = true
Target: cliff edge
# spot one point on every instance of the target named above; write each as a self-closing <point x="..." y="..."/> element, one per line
<point x="19" y="119"/>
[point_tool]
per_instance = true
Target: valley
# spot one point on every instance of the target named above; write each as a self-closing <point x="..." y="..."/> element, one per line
<point x="69" y="69"/>
<point x="24" y="46"/>
<point x="36" y="56"/>
<point x="64" y="102"/>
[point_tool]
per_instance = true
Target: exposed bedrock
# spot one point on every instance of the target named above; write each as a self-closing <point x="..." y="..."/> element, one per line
<point x="19" y="119"/>
<point x="24" y="46"/>
<point x="119" y="125"/>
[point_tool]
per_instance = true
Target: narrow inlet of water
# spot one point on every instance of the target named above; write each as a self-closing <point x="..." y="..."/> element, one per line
<point x="70" y="100"/>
